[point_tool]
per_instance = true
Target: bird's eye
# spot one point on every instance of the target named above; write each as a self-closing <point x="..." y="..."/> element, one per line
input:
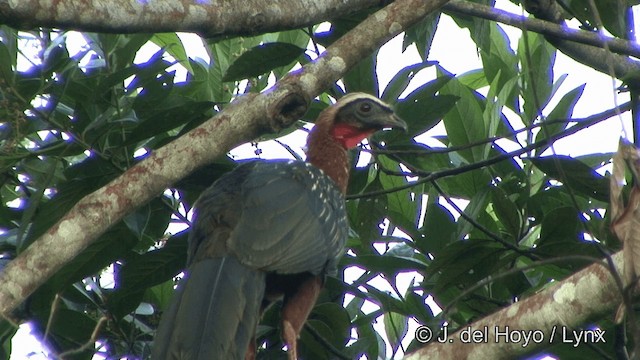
<point x="365" y="107"/>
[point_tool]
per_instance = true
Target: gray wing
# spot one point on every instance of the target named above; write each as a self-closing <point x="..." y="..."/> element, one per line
<point x="284" y="216"/>
<point x="293" y="219"/>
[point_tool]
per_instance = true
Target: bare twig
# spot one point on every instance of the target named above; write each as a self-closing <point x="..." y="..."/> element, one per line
<point x="90" y="343"/>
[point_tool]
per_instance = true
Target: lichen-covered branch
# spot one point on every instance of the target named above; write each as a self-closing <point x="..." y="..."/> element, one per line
<point x="208" y="18"/>
<point x="564" y="306"/>
<point x="241" y="121"/>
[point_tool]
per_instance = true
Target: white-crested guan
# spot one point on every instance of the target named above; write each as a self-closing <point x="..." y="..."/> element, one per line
<point x="267" y="230"/>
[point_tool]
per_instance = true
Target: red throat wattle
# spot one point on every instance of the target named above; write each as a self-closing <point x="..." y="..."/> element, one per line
<point x="349" y="136"/>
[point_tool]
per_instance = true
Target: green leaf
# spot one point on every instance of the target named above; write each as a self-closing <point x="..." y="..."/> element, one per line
<point x="439" y="229"/>
<point x="262" y="59"/>
<point x="501" y="60"/>
<point x="476" y="206"/>
<point x="73" y="330"/>
<point x="576" y="175"/>
<point x="421" y="34"/>
<point x="159" y="118"/>
<point x="561" y="235"/>
<point x="118" y="49"/>
<point x="507" y="212"/>
<point x="401" y="80"/>
<point x="159" y="295"/>
<point x="145" y="271"/>
<point x="422" y="109"/>
<point x="537" y="61"/>
<point x="492" y="115"/>
<point x="363" y="77"/>
<point x="336" y="318"/>
<point x="474" y="79"/>
<point x="149" y="222"/>
<point x="222" y="54"/>
<point x="463" y="122"/>
<point x="559" y="225"/>
<point x="396" y="327"/>
<point x="366" y="214"/>
<point x="559" y="117"/>
<point x="402" y="209"/>
<point x="6" y="61"/>
<point x="297" y="37"/>
<point x="7" y="331"/>
<point x="496" y="54"/>
<point x="172" y="44"/>
<point x="466" y="262"/>
<point x="613" y="14"/>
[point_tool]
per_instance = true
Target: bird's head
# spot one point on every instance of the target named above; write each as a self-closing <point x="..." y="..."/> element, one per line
<point x="358" y="115"/>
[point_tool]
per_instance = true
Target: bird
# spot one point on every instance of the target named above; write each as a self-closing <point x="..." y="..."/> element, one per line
<point x="265" y="231"/>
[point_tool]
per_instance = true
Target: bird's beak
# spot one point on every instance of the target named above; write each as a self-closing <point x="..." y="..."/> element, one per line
<point x="389" y="121"/>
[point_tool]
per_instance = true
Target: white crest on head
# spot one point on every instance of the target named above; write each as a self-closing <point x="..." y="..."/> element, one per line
<point x="351" y="97"/>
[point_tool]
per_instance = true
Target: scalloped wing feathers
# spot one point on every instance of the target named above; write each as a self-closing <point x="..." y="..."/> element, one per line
<point x="282" y="216"/>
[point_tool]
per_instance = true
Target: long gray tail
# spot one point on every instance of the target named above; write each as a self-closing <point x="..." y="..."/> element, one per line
<point x="213" y="314"/>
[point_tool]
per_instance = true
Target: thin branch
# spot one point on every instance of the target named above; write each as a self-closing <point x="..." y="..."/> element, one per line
<point x="483" y="229"/>
<point x="542" y="27"/>
<point x="489" y="140"/>
<point x="430" y="176"/>
<point x="90" y="343"/>
<point x="54" y="307"/>
<point x="595" y="57"/>
<point x="463" y="214"/>
<point x="289" y="150"/>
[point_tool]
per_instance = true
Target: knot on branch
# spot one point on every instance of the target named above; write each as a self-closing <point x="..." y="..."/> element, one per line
<point x="544" y="9"/>
<point x="257" y="21"/>
<point x="288" y="110"/>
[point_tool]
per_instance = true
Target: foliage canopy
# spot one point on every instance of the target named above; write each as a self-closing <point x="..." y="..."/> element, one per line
<point x="486" y="217"/>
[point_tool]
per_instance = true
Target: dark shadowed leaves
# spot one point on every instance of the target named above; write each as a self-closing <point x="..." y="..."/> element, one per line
<point x="262" y="59"/>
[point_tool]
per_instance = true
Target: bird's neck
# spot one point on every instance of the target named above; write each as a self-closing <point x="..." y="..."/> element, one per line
<point x="325" y="152"/>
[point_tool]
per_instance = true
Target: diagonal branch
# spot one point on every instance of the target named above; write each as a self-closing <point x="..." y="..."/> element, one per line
<point x="543" y="27"/>
<point x="243" y="120"/>
<point x="562" y="307"/>
<point x="599" y="57"/>
<point x="425" y="176"/>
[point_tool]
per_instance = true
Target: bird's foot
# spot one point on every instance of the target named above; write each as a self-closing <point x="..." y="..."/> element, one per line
<point x="290" y="339"/>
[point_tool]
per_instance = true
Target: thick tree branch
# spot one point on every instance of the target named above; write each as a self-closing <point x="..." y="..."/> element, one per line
<point x="543" y="27"/>
<point x="241" y="121"/>
<point x="208" y="18"/>
<point x="566" y="305"/>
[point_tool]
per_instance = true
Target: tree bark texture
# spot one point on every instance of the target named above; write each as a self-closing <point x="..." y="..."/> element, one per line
<point x="208" y="18"/>
<point x="552" y="314"/>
